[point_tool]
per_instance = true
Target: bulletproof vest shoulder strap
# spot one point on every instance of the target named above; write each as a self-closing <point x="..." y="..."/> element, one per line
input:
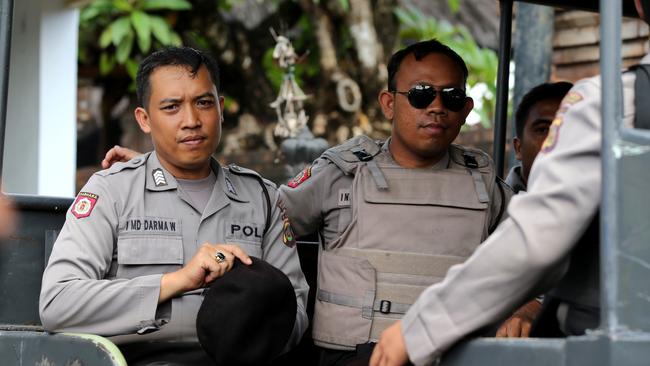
<point x="237" y="170"/>
<point x="348" y="155"/>
<point x="641" y="89"/>
<point x="478" y="164"/>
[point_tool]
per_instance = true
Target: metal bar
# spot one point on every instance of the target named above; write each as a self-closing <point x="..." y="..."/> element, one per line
<point x="500" y="121"/>
<point x="533" y="49"/>
<point x="611" y="112"/>
<point x="641" y="137"/>
<point x="6" y="13"/>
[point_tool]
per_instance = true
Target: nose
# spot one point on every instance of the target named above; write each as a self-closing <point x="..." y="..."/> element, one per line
<point x="436" y="106"/>
<point x="192" y="119"/>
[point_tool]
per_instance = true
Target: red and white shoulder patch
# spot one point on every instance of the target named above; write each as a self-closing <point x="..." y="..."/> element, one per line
<point x="84" y="204"/>
<point x="301" y="177"/>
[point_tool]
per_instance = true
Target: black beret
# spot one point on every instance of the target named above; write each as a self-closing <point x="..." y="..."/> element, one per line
<point x="247" y="315"/>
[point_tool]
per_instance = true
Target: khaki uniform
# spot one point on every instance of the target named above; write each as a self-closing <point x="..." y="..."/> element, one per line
<point x="388" y="231"/>
<point x="527" y="253"/>
<point x="103" y="276"/>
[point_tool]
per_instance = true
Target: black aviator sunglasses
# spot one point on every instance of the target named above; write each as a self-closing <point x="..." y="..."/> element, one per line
<point x="420" y="96"/>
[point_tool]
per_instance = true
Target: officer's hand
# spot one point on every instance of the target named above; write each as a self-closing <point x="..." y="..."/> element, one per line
<point x="518" y="325"/>
<point x="117" y="154"/>
<point x="391" y="349"/>
<point x="201" y="270"/>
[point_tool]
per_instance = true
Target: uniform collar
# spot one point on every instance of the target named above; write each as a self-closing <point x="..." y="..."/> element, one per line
<point x="440" y="165"/>
<point x="158" y="178"/>
<point x="221" y="193"/>
<point x="228" y="185"/>
<point x="515" y="180"/>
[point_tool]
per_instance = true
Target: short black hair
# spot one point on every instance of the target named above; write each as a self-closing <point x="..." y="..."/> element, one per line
<point x="419" y="50"/>
<point x="540" y="92"/>
<point x="192" y="58"/>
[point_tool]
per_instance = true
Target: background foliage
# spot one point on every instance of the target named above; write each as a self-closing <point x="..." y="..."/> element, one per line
<point x="334" y="38"/>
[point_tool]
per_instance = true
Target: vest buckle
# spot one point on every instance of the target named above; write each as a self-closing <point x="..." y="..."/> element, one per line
<point x="362" y="154"/>
<point x="384" y="306"/>
<point x="470" y="161"/>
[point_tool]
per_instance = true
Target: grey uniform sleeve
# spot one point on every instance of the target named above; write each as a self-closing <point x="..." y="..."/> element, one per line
<point x="76" y="294"/>
<point x="526" y="249"/>
<point x="279" y="250"/>
<point x="307" y="200"/>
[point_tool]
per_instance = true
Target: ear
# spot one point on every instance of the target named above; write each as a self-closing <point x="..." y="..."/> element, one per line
<point x="142" y="117"/>
<point x="516" y="143"/>
<point x="387" y="102"/>
<point x="221" y="101"/>
<point x="469" y="105"/>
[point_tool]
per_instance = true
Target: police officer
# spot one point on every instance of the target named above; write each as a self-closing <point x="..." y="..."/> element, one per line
<point x="144" y="238"/>
<point x="395" y="215"/>
<point x="529" y="251"/>
<point x="532" y="121"/>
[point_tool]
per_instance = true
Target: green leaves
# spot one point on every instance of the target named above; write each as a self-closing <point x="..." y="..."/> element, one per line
<point x="454" y="5"/>
<point x="166" y="5"/>
<point x="142" y="25"/>
<point x="126" y="22"/>
<point x="120" y="28"/>
<point x="161" y="30"/>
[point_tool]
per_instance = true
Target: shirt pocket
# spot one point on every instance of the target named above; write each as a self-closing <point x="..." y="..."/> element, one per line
<point x="139" y="255"/>
<point x="247" y="235"/>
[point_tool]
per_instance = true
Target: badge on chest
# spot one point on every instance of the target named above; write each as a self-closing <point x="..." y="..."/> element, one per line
<point x="244" y="231"/>
<point x="344" y="197"/>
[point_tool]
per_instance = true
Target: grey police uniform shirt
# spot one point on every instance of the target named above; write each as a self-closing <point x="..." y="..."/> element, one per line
<point x="515" y="180"/>
<point x="527" y="253"/>
<point x="321" y="201"/>
<point x="132" y="223"/>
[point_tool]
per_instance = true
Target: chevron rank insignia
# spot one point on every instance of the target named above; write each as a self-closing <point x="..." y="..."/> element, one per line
<point x="84" y="204"/>
<point x="159" y="177"/>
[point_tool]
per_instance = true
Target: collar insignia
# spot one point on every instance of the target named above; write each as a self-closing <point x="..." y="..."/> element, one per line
<point x="230" y="186"/>
<point x="159" y="177"/>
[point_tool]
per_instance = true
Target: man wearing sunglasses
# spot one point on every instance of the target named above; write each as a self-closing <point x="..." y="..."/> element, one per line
<point x="393" y="216"/>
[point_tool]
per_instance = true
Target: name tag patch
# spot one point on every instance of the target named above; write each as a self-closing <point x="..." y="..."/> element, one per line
<point x="244" y="231"/>
<point x="344" y="197"/>
<point x="153" y="225"/>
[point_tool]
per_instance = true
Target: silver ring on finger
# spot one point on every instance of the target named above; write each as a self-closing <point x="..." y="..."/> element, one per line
<point x="219" y="257"/>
